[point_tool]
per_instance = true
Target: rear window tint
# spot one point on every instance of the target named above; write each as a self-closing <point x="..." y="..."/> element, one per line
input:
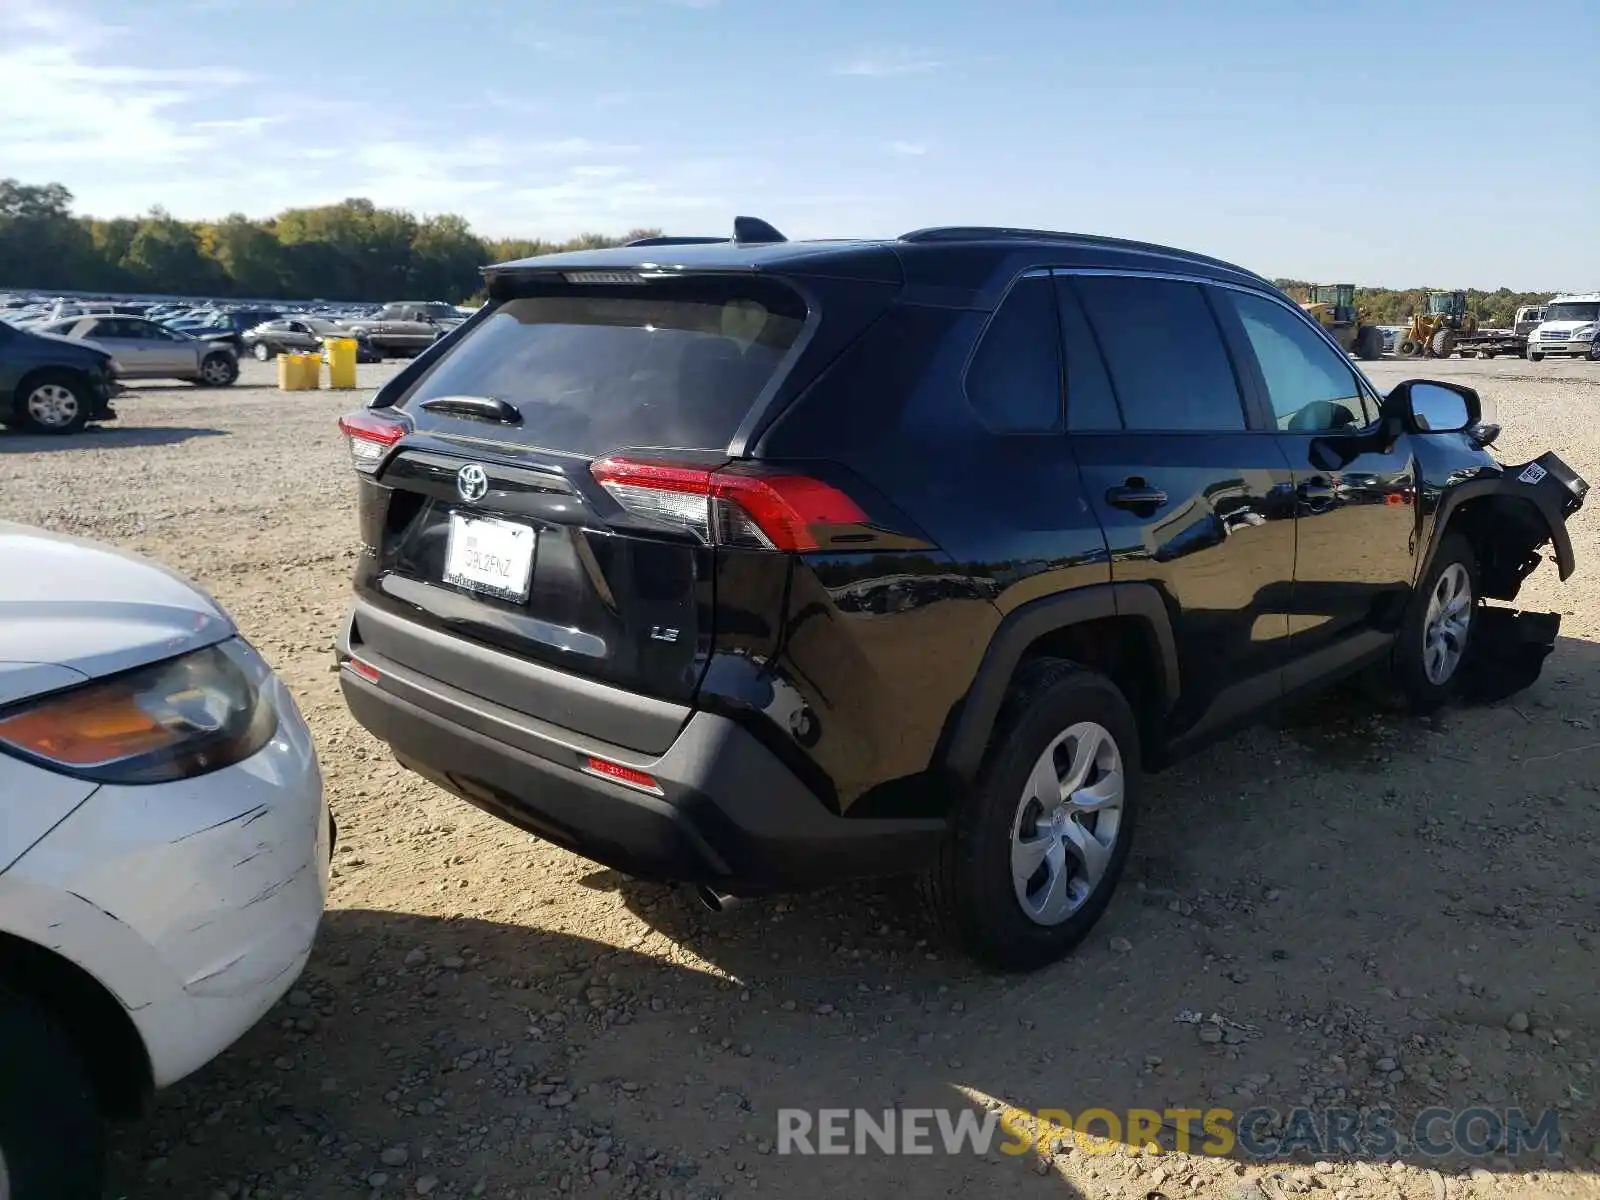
<point x="1015" y="378"/>
<point x="676" y="364"/>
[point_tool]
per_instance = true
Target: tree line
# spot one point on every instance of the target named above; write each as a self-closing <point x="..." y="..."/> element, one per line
<point x="355" y="250"/>
<point x="352" y="250"/>
<point x="1390" y="306"/>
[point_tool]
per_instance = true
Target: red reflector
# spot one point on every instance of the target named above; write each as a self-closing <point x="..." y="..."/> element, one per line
<point x="788" y="509"/>
<point x="622" y="774"/>
<point x="371" y="427"/>
<point x="366" y="670"/>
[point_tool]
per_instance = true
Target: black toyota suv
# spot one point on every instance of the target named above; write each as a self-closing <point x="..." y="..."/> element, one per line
<point x="759" y="564"/>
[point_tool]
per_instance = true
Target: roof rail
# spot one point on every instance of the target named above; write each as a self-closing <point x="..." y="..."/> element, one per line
<point x="753" y="230"/>
<point x="969" y="233"/>
<point x="675" y="241"/>
<point x="975" y="233"/>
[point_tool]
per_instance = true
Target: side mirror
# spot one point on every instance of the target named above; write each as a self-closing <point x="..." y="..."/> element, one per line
<point x="1429" y="406"/>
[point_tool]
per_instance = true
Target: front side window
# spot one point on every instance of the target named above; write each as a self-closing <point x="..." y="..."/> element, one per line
<point x="1310" y="384"/>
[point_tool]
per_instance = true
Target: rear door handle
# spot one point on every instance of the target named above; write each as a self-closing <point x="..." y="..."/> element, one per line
<point x="1135" y="494"/>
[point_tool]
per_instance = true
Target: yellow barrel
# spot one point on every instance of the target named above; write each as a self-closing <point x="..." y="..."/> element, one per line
<point x="341" y="362"/>
<point x="288" y="373"/>
<point x="312" y="366"/>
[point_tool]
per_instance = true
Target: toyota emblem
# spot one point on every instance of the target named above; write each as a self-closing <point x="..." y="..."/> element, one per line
<point x="472" y="482"/>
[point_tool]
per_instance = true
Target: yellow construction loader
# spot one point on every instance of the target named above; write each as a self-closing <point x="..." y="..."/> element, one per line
<point x="1433" y="334"/>
<point x="1334" y="305"/>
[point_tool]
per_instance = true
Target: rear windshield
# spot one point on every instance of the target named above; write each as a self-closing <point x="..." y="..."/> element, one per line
<point x="664" y="364"/>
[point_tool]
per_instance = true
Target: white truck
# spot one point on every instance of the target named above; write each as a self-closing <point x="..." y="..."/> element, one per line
<point x="1571" y="326"/>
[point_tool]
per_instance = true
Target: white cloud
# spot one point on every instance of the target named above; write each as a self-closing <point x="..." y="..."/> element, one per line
<point x="86" y="104"/>
<point x="908" y="149"/>
<point x="63" y="104"/>
<point x="879" y="66"/>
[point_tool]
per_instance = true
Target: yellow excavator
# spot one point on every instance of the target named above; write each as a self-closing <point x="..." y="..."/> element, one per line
<point x="1334" y="305"/>
<point x="1433" y="334"/>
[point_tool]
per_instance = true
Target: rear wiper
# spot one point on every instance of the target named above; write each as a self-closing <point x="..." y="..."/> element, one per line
<point x="481" y="408"/>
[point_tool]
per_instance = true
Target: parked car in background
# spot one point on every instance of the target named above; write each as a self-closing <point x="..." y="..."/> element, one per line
<point x="639" y="554"/>
<point x="52" y="385"/>
<point x="300" y="335"/>
<point x="165" y="845"/>
<point x="404" y="336"/>
<point x="230" y="326"/>
<point x="143" y="349"/>
<point x="421" y="310"/>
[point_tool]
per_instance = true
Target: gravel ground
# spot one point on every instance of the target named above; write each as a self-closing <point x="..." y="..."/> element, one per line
<point x="1379" y="909"/>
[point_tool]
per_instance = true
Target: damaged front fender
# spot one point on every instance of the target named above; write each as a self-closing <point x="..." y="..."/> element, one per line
<point x="1509" y="516"/>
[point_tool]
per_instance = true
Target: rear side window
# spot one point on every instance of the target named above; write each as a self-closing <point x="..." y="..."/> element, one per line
<point x="676" y="364"/>
<point x="1014" y="381"/>
<point x="1168" y="365"/>
<point x="1090" y="403"/>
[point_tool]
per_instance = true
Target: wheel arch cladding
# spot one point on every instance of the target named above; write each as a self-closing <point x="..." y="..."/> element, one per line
<point x="92" y="1018"/>
<point x="1121" y="630"/>
<point x="1505" y="530"/>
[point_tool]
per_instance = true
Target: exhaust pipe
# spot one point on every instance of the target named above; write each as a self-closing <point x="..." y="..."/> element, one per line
<point x="717" y="902"/>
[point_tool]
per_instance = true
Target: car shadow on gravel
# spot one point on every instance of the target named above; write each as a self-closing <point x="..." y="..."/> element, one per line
<point x="99" y="437"/>
<point x="515" y="1060"/>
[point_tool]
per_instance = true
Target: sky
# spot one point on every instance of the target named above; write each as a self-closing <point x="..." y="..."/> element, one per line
<point x="1448" y="146"/>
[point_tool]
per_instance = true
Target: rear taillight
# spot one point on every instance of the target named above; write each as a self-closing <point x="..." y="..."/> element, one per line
<point x="370" y="434"/>
<point x="731" y="506"/>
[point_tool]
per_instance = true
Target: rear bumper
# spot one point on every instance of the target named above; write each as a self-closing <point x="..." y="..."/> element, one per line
<point x="730" y="814"/>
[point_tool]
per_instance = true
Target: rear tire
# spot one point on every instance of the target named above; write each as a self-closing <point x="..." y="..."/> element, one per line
<point x="262" y="352"/>
<point x="1369" y="343"/>
<point x="1060" y="725"/>
<point x="1436" y="635"/>
<point x="52" y="1139"/>
<point x="1407" y="348"/>
<point x="55" y="402"/>
<point x="1443" y="343"/>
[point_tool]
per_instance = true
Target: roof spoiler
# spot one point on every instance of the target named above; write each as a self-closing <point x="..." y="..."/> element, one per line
<point x="747" y="231"/>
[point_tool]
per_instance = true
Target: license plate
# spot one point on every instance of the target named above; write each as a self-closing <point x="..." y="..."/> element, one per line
<point x="490" y="556"/>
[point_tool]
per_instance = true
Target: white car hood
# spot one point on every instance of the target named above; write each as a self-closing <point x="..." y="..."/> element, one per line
<point x="72" y="610"/>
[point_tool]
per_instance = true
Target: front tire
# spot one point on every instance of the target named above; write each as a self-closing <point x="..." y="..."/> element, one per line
<point x="1041" y="839"/>
<point x="52" y="1140"/>
<point x="55" y="402"/>
<point x="218" y="370"/>
<point x="1369" y="343"/>
<point x="1436" y="635"/>
<point x="1443" y="343"/>
<point x="1535" y="356"/>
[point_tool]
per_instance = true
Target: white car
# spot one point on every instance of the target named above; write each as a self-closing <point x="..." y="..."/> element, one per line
<point x="164" y="846"/>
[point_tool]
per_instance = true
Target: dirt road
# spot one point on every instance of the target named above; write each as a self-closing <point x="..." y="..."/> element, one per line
<point x="1378" y="910"/>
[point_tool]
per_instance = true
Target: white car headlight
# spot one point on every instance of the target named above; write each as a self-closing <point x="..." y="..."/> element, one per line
<point x="170" y="720"/>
